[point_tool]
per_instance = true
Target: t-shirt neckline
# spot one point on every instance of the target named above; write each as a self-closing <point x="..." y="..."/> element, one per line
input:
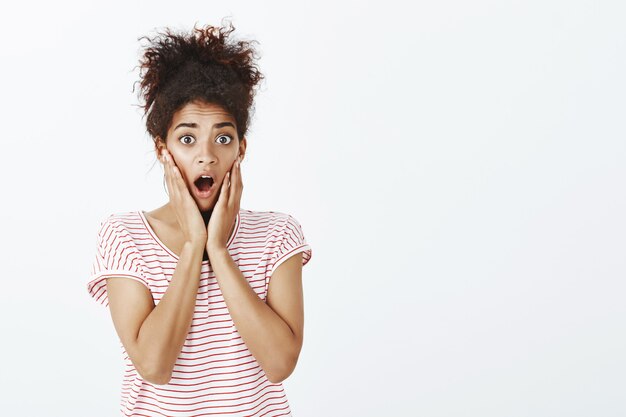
<point x="172" y="254"/>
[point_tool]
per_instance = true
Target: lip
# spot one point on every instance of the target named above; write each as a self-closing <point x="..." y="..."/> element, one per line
<point x="204" y="194"/>
<point x="209" y="173"/>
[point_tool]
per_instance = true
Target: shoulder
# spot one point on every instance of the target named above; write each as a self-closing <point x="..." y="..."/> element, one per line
<point x="120" y="223"/>
<point x="270" y="220"/>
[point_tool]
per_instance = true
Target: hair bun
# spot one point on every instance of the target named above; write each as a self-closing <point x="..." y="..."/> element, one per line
<point x="178" y="67"/>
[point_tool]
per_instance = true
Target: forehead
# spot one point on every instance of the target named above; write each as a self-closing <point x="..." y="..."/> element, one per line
<point x="202" y="110"/>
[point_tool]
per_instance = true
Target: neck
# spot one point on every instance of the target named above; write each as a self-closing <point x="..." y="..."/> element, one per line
<point x="206" y="216"/>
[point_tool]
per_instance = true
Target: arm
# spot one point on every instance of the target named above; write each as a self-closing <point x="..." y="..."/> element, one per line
<point x="273" y="332"/>
<point x="154" y="336"/>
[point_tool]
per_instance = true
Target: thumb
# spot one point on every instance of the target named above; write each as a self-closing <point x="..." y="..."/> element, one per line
<point x="225" y="187"/>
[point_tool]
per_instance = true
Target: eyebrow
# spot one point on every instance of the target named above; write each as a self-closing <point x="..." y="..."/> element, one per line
<point x="195" y="125"/>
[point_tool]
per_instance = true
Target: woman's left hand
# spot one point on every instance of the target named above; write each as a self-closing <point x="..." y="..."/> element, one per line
<point x="226" y="209"/>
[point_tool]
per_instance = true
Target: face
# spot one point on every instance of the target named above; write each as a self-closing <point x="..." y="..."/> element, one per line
<point x="202" y="138"/>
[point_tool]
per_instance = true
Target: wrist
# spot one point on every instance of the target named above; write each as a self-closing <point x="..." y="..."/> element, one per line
<point x="215" y="248"/>
<point x="191" y="250"/>
<point x="195" y="244"/>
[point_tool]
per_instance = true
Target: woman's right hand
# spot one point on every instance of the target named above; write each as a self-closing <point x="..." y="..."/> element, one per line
<point x="187" y="212"/>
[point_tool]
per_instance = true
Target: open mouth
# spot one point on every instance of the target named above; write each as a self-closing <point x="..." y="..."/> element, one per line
<point x="204" y="183"/>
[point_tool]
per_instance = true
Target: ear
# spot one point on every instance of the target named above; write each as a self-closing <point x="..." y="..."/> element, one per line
<point x="242" y="147"/>
<point x="158" y="146"/>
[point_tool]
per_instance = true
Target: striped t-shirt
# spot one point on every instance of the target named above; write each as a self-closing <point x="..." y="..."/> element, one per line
<point x="215" y="373"/>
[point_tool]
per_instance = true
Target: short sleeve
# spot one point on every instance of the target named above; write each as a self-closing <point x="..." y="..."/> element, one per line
<point x="292" y="242"/>
<point x="116" y="256"/>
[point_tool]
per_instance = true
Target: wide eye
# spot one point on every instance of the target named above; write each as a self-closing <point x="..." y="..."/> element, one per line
<point x="224" y="136"/>
<point x="186" y="142"/>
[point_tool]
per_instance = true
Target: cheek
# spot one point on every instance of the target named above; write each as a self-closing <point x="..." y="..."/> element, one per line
<point x="183" y="165"/>
<point x="180" y="158"/>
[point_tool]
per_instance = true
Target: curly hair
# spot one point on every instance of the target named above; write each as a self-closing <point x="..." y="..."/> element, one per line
<point x="178" y="68"/>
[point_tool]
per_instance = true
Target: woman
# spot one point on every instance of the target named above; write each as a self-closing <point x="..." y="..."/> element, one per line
<point x="210" y="315"/>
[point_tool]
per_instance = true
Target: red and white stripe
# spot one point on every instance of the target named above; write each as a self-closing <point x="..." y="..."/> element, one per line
<point x="215" y="374"/>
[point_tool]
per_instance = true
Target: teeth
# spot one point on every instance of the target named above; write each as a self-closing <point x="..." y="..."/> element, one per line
<point x="205" y="176"/>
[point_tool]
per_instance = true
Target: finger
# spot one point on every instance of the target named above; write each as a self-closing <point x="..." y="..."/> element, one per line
<point x="237" y="184"/>
<point x="239" y="178"/>
<point x="225" y="189"/>
<point x="231" y="177"/>
<point x="222" y="196"/>
<point x="167" y="173"/>
<point x="173" y="170"/>
<point x="174" y="191"/>
<point x="177" y="176"/>
<point x="179" y="182"/>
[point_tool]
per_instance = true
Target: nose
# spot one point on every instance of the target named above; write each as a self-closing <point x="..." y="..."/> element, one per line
<point x="206" y="154"/>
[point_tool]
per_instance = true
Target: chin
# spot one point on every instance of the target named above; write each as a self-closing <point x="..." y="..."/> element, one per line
<point x="204" y="205"/>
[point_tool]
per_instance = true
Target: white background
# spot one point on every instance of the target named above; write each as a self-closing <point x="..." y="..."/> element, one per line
<point x="457" y="167"/>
